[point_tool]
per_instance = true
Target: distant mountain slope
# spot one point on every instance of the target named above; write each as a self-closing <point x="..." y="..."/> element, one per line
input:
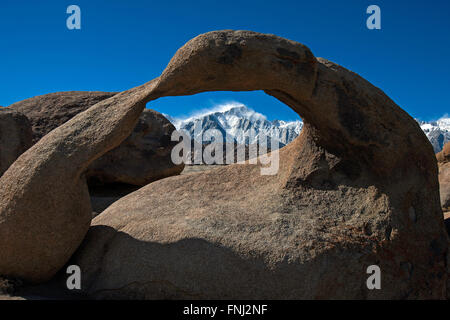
<point x="438" y="132"/>
<point x="235" y="121"/>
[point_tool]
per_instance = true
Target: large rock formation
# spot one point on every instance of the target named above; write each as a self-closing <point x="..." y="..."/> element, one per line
<point x="15" y="137"/>
<point x="142" y="158"/>
<point x="145" y="156"/>
<point x="358" y="188"/>
<point x="49" y="111"/>
<point x="443" y="158"/>
<point x="45" y="208"/>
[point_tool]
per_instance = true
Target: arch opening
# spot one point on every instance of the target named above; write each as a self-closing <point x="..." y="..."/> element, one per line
<point x="226" y="122"/>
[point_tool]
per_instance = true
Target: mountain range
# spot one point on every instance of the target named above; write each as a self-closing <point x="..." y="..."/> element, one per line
<point x="239" y="124"/>
<point x="236" y="121"/>
<point x="438" y="132"/>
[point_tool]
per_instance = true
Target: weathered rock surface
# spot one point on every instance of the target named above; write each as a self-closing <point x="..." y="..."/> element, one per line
<point x="142" y="158"/>
<point x="145" y="156"/>
<point x="102" y="196"/>
<point x="49" y="111"/>
<point x="15" y="137"/>
<point x="359" y="187"/>
<point x="443" y="158"/>
<point x="447" y="225"/>
<point x="45" y="208"/>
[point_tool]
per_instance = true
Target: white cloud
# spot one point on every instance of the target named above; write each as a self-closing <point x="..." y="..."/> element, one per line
<point x="221" y="107"/>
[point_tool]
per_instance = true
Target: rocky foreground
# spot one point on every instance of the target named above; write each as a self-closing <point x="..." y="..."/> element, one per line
<point x="358" y="187"/>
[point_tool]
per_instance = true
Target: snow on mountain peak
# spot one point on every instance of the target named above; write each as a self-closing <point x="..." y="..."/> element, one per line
<point x="235" y="120"/>
<point x="438" y="132"/>
<point x="229" y="109"/>
<point x="444" y="123"/>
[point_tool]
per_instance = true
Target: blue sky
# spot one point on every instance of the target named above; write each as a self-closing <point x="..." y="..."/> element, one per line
<point x="123" y="44"/>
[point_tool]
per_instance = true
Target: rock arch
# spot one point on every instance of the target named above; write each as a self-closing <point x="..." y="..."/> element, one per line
<point x="360" y="160"/>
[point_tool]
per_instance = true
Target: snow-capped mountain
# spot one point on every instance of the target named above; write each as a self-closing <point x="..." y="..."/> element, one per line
<point x="238" y="123"/>
<point x="235" y="121"/>
<point x="438" y="132"/>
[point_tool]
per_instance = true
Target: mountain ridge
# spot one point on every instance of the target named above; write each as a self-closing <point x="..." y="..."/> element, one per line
<point x="438" y="132"/>
<point x="235" y="120"/>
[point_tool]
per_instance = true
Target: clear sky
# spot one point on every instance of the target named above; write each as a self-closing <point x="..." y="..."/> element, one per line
<point x="123" y="44"/>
